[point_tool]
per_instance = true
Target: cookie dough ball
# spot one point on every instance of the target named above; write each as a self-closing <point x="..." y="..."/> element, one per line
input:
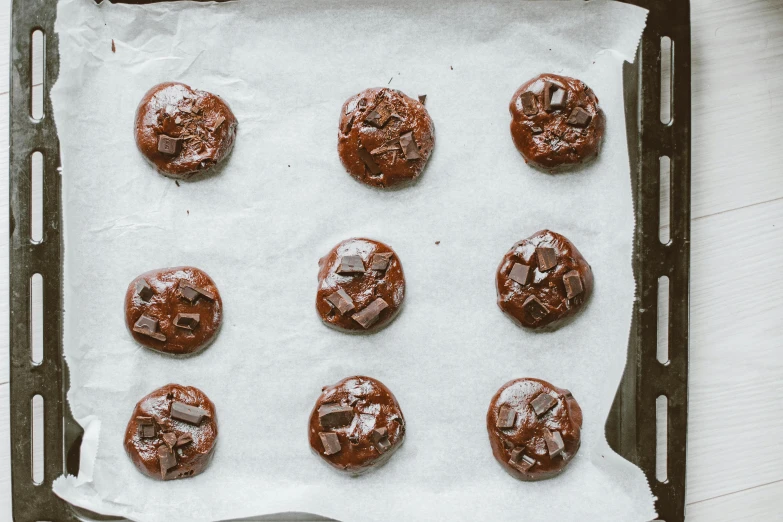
<point x="173" y="310"/>
<point x="360" y="286"/>
<point x="543" y="280"/>
<point x="172" y="433"/>
<point x="385" y="137"/>
<point x="556" y="121"/>
<point x="534" y="428"/>
<point x="356" y="425"/>
<point x="183" y="131"/>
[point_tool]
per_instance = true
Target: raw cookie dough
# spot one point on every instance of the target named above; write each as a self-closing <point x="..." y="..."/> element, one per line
<point x="384" y="137"/>
<point x="173" y="310"/>
<point x="183" y="131"/>
<point x="172" y="433"/>
<point x="361" y="286"/>
<point x="543" y="280"/>
<point x="534" y="428"/>
<point x="356" y="425"/>
<point x="556" y="121"/>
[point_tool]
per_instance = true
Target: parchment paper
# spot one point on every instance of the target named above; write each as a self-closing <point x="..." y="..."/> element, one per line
<point x="259" y="225"/>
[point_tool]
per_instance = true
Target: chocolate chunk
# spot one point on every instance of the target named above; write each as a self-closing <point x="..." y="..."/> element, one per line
<point x="331" y="442"/>
<point x="391" y="145"/>
<point x="519" y="273"/>
<point x="187" y="321"/>
<point x="362" y="103"/>
<point x="543" y="403"/>
<point x="383" y="445"/>
<point x="523" y="464"/>
<point x="168" y="145"/>
<point x="554" y="97"/>
<point x="422" y="98"/>
<point x="144" y="290"/>
<point x="380" y="115"/>
<point x="333" y="415"/>
<point x="186" y="413"/>
<point x="516" y="454"/>
<point x="350" y="265"/>
<point x="409" y="147"/>
<point x="347" y="124"/>
<point x="148" y="326"/>
<point x="535" y="308"/>
<point x="378" y="434"/>
<point x="529" y="103"/>
<point x="380" y="262"/>
<point x="573" y="284"/>
<point x="369" y="162"/>
<point x="170" y="439"/>
<point x="536" y="130"/>
<point x="167" y="460"/>
<point x="547" y="258"/>
<point x="183" y="440"/>
<point x="506" y="417"/>
<point x="341" y="301"/>
<point x="218" y="123"/>
<point x="146" y="427"/>
<point x="370" y="315"/>
<point x="554" y="443"/>
<point x="192" y="292"/>
<point x="579" y="117"/>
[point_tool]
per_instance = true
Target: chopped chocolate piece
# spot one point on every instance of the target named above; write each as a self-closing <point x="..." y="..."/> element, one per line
<point x="529" y="103"/>
<point x="391" y="145"/>
<point x="519" y="273"/>
<point x="113" y="47"/>
<point x="341" y="301"/>
<point x="187" y="413"/>
<point x="554" y="443"/>
<point x="547" y="258"/>
<point x="554" y="97"/>
<point x="573" y="284"/>
<point x="350" y="265"/>
<point x="148" y="326"/>
<point x="380" y="115"/>
<point x="422" y="98"/>
<point x="506" y="417"/>
<point x="543" y="403"/>
<point x="183" y="440"/>
<point x="348" y="124"/>
<point x="579" y="117"/>
<point x="536" y="130"/>
<point x="524" y="464"/>
<point x="170" y="439"/>
<point x="218" y="123"/>
<point x="409" y="147"/>
<point x="516" y="454"/>
<point x="362" y="103"/>
<point x="383" y="445"/>
<point x="331" y="442"/>
<point x="378" y="434"/>
<point x="333" y="415"/>
<point x="369" y="162"/>
<point x="535" y="308"/>
<point x="381" y="262"/>
<point x="167" y="459"/>
<point x="144" y="290"/>
<point x="146" y="427"/>
<point x="187" y="321"/>
<point x="168" y="145"/>
<point x="192" y="292"/>
<point x="370" y="315"/>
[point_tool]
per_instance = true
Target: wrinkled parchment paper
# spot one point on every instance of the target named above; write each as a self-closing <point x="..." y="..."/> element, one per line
<point x="259" y="225"/>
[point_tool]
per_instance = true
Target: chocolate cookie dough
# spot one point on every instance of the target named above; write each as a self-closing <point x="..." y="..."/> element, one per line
<point x="173" y="310"/>
<point x="556" y="121"/>
<point x="543" y="280"/>
<point x="385" y="137"/>
<point x="356" y="425"/>
<point x="183" y="131"/>
<point x="534" y="428"/>
<point x="172" y="433"/>
<point x="360" y="286"/>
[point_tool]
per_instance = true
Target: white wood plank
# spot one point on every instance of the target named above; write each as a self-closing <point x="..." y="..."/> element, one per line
<point x="736" y="364"/>
<point x="760" y="504"/>
<point x="5" y="35"/>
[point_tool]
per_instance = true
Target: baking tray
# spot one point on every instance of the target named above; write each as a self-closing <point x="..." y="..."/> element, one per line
<point x="631" y="426"/>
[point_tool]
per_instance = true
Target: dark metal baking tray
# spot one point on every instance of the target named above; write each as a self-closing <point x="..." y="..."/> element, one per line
<point x="631" y="426"/>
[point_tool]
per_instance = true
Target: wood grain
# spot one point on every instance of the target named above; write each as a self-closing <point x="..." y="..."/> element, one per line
<point x="759" y="504"/>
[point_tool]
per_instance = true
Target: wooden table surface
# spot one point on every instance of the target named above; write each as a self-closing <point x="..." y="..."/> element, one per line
<point x="735" y="448"/>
